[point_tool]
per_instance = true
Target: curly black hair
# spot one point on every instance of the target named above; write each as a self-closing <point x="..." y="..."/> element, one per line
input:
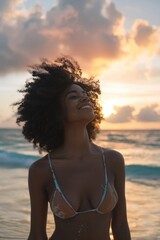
<point x="40" y="109"/>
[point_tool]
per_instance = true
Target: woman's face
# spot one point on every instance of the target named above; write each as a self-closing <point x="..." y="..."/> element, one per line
<point x="76" y="105"/>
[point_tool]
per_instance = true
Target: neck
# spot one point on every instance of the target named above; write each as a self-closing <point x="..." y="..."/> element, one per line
<point x="76" y="140"/>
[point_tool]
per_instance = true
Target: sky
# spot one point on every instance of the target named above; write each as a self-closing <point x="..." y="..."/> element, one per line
<point x="116" y="41"/>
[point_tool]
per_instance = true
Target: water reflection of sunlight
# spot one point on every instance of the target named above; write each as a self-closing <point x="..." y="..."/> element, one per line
<point x="142" y="200"/>
<point x="50" y="223"/>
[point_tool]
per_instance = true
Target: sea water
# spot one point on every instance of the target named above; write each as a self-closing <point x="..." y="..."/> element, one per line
<point x="141" y="150"/>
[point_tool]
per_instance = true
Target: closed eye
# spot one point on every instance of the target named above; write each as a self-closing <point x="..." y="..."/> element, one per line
<point x="74" y="94"/>
<point x="73" y="97"/>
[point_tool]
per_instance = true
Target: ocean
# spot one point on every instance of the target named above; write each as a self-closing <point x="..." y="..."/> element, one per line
<point x="141" y="150"/>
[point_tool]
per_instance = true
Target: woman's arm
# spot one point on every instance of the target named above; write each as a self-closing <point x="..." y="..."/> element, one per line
<point x="120" y="228"/>
<point x="39" y="202"/>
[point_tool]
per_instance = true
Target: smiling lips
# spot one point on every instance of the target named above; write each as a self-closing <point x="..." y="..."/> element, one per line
<point x="87" y="106"/>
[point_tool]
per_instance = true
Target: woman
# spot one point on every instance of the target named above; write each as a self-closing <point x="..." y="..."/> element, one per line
<point x="84" y="183"/>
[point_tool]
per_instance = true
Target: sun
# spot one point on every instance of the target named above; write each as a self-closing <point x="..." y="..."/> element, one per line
<point x="107" y="107"/>
<point x="107" y="110"/>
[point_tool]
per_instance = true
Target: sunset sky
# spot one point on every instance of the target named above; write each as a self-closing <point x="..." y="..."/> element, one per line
<point x="117" y="41"/>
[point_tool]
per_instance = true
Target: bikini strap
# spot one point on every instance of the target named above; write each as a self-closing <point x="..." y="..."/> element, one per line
<point x="54" y="176"/>
<point x="56" y="182"/>
<point x="105" y="167"/>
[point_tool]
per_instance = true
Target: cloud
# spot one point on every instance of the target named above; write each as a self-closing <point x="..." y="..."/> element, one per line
<point x="149" y="114"/>
<point x="144" y="34"/>
<point x="144" y="37"/>
<point x="8" y="5"/>
<point x="68" y="28"/>
<point x="121" y="114"/>
<point x="10" y="10"/>
<point x="115" y="17"/>
<point x="126" y="114"/>
<point x="90" y="31"/>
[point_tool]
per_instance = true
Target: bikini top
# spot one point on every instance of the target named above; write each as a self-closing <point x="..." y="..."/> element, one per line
<point x="61" y="207"/>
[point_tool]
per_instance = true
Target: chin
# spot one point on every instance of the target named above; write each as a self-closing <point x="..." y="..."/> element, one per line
<point x="89" y="118"/>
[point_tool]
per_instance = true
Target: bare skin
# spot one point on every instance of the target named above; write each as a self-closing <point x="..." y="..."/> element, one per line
<point x="80" y="172"/>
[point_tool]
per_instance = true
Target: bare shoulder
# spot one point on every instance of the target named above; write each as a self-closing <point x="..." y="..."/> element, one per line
<point x="115" y="159"/>
<point x="39" y="166"/>
<point x="39" y="170"/>
<point x="113" y="155"/>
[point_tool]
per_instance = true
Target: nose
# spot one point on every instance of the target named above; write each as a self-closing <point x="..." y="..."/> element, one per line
<point x="84" y="98"/>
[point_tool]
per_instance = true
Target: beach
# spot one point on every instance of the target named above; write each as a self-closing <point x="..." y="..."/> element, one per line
<point x="141" y="150"/>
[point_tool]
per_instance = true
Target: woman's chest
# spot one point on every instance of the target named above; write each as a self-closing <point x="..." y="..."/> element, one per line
<point x="81" y="184"/>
